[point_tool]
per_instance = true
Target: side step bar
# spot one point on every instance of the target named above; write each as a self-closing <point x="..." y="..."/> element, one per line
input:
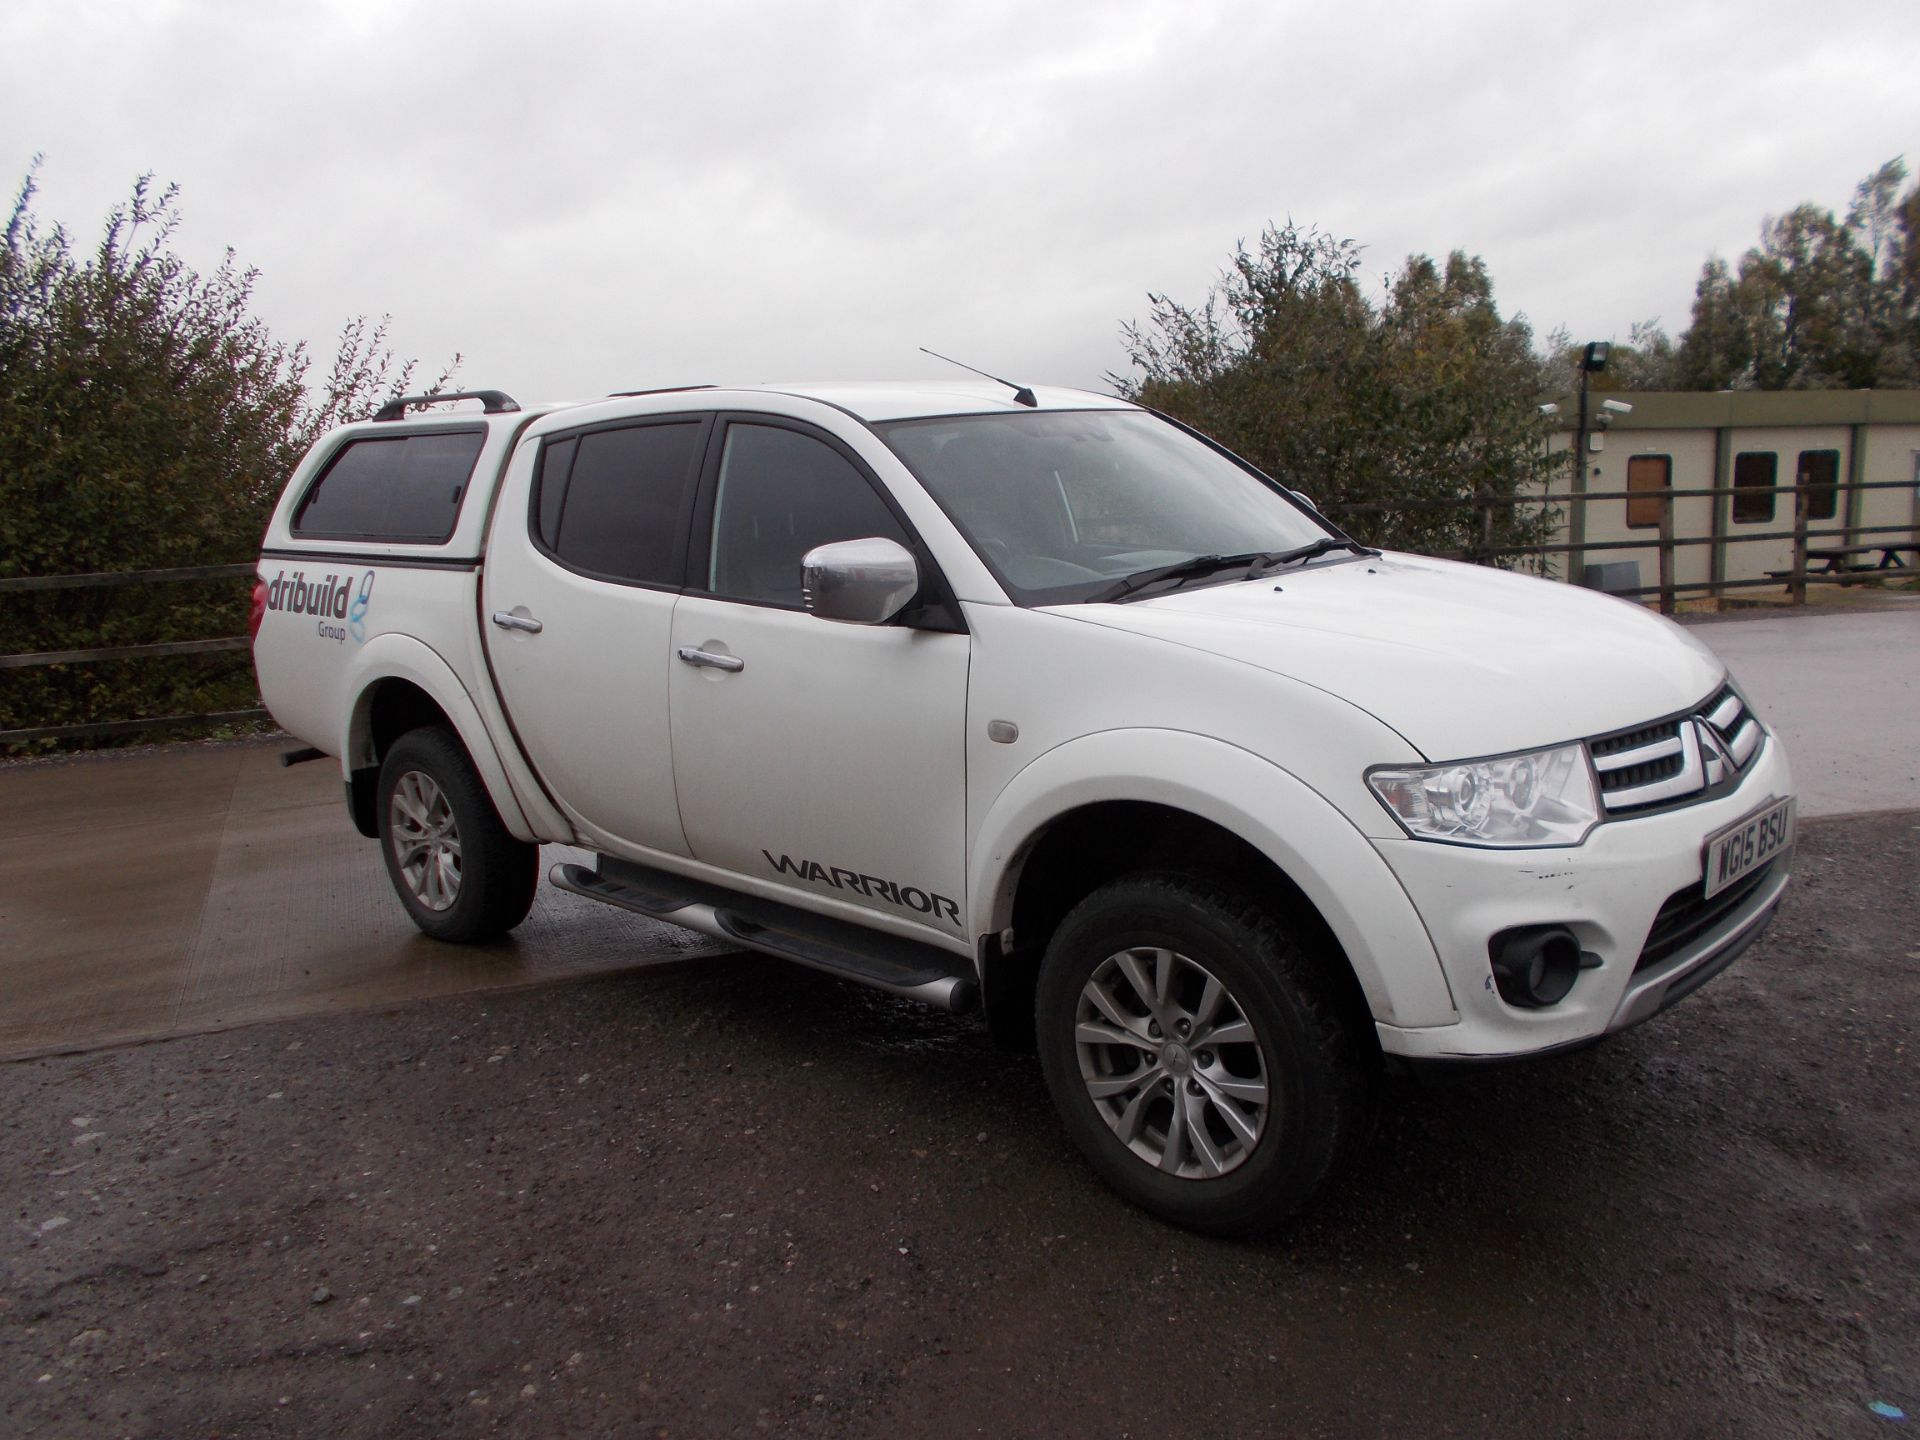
<point x="886" y="962"/>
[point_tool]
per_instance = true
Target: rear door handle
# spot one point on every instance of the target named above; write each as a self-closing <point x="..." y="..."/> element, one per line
<point x="712" y="661"/>
<point x="506" y="620"/>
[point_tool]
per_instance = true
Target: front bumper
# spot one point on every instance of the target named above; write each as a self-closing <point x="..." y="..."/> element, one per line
<point x="1631" y="876"/>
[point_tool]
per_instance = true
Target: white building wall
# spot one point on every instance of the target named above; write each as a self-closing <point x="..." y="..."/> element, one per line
<point x="1888" y="452"/>
<point x="1691" y="454"/>
<point x="1892" y="453"/>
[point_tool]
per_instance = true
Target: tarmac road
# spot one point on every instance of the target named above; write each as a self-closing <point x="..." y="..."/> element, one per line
<point x="1843" y="688"/>
<point x="606" y="1179"/>
<point x="728" y="1197"/>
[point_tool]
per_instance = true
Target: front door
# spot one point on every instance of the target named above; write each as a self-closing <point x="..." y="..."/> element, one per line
<point x="823" y="757"/>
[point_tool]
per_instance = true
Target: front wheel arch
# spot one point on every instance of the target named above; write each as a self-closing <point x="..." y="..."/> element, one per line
<point x="1324" y="853"/>
<point x="1096" y="844"/>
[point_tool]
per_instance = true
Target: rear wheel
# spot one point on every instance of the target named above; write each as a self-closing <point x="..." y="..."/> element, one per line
<point x="456" y="868"/>
<point x="1201" y="1059"/>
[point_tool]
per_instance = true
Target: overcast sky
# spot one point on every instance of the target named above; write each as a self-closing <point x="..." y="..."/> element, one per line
<point x="590" y="197"/>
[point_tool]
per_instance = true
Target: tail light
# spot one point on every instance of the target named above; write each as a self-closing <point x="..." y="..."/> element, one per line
<point x="257" y="611"/>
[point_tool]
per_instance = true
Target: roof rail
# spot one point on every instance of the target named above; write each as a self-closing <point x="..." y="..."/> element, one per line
<point x="497" y="402"/>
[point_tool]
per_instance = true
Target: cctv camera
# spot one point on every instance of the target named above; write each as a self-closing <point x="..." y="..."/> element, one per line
<point x="1619" y="407"/>
<point x="1549" y="409"/>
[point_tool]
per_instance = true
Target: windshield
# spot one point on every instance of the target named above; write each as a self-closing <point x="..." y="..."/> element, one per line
<point x="1063" y="504"/>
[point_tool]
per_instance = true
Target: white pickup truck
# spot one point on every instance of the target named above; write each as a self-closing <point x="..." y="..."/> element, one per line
<point x="1031" y="699"/>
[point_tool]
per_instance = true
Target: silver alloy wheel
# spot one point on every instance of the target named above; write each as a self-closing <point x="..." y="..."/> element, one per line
<point x="425" y="840"/>
<point x="1172" y="1063"/>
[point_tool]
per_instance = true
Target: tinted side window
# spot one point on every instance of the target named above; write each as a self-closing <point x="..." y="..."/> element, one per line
<point x="1821" y="469"/>
<point x="398" y="487"/>
<point x="1753" y="485"/>
<point x="556" y="465"/>
<point x="611" y="502"/>
<point x="781" y="493"/>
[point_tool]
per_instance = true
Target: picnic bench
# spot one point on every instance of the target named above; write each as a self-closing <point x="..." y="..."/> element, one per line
<point x="1846" y="559"/>
<point x="1840" y="559"/>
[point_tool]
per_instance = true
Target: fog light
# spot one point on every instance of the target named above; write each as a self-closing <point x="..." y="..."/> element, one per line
<point x="1535" y="966"/>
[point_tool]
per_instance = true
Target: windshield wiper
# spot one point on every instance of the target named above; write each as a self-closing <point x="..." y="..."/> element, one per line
<point x="1181" y="571"/>
<point x="1325" y="545"/>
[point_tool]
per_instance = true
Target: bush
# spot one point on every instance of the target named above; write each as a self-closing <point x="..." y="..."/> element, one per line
<point x="147" y="421"/>
<point x="1395" y="415"/>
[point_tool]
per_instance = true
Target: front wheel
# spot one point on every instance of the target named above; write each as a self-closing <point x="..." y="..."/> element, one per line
<point x="1201" y="1059"/>
<point x="460" y="873"/>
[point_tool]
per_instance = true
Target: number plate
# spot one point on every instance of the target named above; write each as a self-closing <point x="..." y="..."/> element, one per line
<point x="1748" y="844"/>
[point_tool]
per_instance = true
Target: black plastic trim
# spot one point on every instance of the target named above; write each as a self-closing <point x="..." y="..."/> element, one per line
<point x="821" y="941"/>
<point x="657" y="390"/>
<point x="1687" y="917"/>
<point x="368" y="557"/>
<point x="1700" y="974"/>
<point x="493" y="402"/>
<point x="362" y="793"/>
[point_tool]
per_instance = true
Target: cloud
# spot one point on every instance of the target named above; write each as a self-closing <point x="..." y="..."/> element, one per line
<point x="590" y="197"/>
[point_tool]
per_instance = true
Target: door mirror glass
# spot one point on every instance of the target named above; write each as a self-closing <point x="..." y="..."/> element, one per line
<point x="863" y="582"/>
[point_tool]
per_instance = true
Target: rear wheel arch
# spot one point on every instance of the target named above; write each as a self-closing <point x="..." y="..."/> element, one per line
<point x="404" y="686"/>
<point x="383" y="712"/>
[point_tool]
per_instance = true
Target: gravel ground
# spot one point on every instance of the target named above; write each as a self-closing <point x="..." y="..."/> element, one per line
<point x="727" y="1197"/>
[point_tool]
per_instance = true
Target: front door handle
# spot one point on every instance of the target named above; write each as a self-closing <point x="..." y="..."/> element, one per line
<point x="712" y="661"/>
<point x="506" y="620"/>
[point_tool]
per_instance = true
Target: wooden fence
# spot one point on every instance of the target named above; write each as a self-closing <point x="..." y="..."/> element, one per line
<point x="1839" y="567"/>
<point x="99" y="730"/>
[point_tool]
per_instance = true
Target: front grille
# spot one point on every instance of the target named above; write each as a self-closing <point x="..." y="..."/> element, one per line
<point x="1679" y="760"/>
<point x="1688" y="916"/>
<point x="1635" y="739"/>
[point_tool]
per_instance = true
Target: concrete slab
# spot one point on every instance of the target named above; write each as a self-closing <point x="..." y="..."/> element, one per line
<point x="195" y="888"/>
<point x="1843" y="691"/>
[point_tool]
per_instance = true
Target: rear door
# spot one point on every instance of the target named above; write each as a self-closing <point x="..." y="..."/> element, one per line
<point x="587" y="562"/>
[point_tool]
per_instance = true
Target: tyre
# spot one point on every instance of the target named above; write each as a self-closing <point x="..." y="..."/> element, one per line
<point x="460" y="874"/>
<point x="1203" y="1063"/>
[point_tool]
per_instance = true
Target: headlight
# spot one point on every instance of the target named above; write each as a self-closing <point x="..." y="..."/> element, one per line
<point x="1544" y="797"/>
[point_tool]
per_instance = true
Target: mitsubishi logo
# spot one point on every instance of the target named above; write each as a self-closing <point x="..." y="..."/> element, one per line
<point x="1714" y="753"/>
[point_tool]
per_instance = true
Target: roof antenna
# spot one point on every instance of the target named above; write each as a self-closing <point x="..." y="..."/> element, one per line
<point x="1021" y="394"/>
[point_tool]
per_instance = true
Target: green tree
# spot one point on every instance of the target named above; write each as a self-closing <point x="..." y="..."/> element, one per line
<point x="147" y="421"/>
<point x="1819" y="303"/>
<point x="1647" y="361"/>
<point x="1393" y="414"/>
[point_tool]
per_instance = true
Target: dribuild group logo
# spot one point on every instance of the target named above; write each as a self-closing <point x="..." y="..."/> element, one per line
<point x="357" y="611"/>
<point x="328" y="600"/>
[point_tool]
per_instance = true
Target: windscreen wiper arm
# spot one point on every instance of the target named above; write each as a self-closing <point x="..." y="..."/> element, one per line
<point x="1182" y="570"/>
<point x="1325" y="545"/>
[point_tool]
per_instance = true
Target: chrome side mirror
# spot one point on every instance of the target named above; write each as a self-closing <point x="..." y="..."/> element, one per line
<point x="863" y="582"/>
